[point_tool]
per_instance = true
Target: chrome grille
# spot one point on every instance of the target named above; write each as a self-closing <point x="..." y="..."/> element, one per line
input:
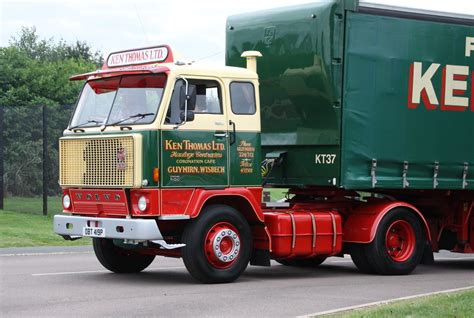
<point x="97" y="162"/>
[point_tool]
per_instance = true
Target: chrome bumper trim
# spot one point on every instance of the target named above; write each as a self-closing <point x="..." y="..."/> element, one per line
<point x="174" y="217"/>
<point x="130" y="229"/>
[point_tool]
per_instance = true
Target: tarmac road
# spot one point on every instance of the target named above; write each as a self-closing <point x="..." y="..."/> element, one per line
<point x="55" y="284"/>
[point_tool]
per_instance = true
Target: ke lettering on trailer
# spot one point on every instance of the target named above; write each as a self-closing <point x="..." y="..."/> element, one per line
<point x="454" y="88"/>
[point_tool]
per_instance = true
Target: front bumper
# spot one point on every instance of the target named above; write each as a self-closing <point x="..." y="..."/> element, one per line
<point x="115" y="228"/>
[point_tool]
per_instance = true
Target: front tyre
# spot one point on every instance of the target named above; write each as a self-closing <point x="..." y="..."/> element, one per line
<point x="398" y="244"/>
<point x="218" y="245"/>
<point x="119" y="260"/>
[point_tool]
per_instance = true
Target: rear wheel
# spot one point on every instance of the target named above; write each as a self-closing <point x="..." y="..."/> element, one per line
<point x="119" y="260"/>
<point x="306" y="262"/>
<point x="398" y="244"/>
<point x="360" y="259"/>
<point x="218" y="245"/>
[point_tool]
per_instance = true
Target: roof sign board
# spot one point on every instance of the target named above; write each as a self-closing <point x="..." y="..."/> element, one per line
<point x="148" y="55"/>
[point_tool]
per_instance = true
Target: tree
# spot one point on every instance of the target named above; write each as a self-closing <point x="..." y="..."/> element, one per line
<point x="35" y="72"/>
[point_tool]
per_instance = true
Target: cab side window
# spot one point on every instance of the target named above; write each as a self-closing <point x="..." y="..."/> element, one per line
<point x="208" y="99"/>
<point x="242" y="98"/>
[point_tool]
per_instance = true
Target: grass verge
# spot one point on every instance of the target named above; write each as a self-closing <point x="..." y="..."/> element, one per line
<point x="456" y="304"/>
<point x="33" y="205"/>
<point x="276" y="193"/>
<point x="26" y="229"/>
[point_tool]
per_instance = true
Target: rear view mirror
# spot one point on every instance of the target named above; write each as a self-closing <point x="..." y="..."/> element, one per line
<point x="190" y="96"/>
<point x="189" y="116"/>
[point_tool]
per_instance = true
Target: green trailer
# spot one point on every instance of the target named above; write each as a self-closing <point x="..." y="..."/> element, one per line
<point x="360" y="96"/>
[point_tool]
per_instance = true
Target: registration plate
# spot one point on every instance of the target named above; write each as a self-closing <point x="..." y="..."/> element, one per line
<point x="93" y="231"/>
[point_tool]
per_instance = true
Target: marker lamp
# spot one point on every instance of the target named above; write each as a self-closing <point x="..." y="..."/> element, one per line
<point x="66" y="201"/>
<point x="142" y="204"/>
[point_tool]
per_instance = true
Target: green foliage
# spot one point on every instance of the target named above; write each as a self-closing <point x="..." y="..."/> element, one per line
<point x="35" y="72"/>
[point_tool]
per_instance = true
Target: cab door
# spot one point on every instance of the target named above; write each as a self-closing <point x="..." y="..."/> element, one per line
<point x="244" y="133"/>
<point x="195" y="153"/>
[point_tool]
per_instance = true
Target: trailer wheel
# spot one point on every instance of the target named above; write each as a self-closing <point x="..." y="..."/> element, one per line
<point x="218" y="245"/>
<point x="398" y="244"/>
<point x="359" y="258"/>
<point x="306" y="262"/>
<point x="119" y="260"/>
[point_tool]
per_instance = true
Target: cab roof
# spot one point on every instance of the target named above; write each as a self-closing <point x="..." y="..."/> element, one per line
<point x="159" y="59"/>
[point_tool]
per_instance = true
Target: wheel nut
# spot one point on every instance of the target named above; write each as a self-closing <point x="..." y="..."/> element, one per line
<point x="237" y="243"/>
<point x="219" y="255"/>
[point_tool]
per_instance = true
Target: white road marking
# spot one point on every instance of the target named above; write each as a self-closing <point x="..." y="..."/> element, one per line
<point x="453" y="258"/>
<point x="341" y="261"/>
<point x="99" y="271"/>
<point x="348" y="260"/>
<point x="384" y="302"/>
<point x="46" y="253"/>
<point x="68" y="273"/>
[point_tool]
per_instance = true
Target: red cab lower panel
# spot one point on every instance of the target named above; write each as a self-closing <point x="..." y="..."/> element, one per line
<point x="99" y="201"/>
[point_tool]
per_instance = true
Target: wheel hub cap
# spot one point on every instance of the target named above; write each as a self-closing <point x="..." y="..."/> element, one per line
<point x="222" y="245"/>
<point x="226" y="245"/>
<point x="400" y="241"/>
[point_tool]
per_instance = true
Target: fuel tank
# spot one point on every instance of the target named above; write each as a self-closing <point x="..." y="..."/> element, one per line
<point x="304" y="234"/>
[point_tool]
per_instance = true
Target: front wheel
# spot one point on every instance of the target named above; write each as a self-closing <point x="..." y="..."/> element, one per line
<point x="119" y="260"/>
<point x="398" y="244"/>
<point x="218" y="245"/>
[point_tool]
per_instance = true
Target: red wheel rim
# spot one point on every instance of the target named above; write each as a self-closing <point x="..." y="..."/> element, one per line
<point x="400" y="241"/>
<point x="222" y="245"/>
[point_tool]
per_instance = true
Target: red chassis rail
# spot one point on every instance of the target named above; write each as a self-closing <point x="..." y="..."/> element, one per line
<point x="360" y="219"/>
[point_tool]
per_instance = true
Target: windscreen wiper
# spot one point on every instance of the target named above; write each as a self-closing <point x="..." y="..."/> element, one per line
<point x="85" y="123"/>
<point x="139" y="115"/>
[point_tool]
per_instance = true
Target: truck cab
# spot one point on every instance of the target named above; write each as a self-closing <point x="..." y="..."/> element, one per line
<point x="153" y="141"/>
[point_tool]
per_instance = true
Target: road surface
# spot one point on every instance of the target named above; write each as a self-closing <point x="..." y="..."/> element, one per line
<point x="62" y="282"/>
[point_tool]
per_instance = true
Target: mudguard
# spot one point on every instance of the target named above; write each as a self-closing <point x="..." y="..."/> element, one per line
<point x="361" y="225"/>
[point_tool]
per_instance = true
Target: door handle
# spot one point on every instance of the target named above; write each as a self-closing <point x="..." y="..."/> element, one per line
<point x="220" y="134"/>
<point x="232" y="134"/>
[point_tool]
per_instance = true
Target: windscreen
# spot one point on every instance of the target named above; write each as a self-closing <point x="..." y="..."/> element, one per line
<point x="124" y="100"/>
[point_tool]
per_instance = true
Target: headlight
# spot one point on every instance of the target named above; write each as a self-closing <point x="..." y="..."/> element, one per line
<point x="66" y="201"/>
<point x="142" y="204"/>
